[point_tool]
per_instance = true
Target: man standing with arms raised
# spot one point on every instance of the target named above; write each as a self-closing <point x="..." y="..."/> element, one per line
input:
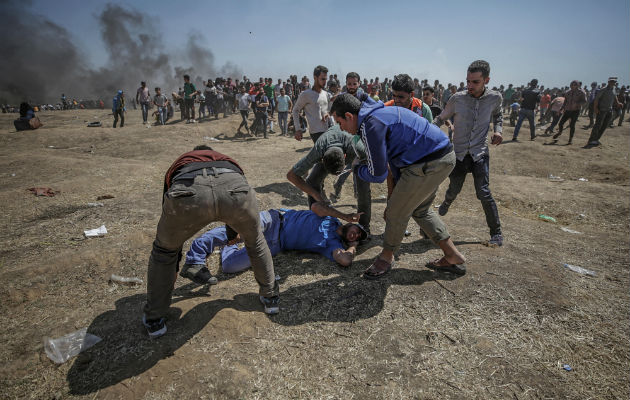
<point x="473" y="110"/>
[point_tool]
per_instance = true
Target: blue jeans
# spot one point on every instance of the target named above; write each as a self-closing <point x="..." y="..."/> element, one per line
<point x="234" y="259"/>
<point x="145" y="111"/>
<point x="480" y="170"/>
<point x="283" y="117"/>
<point x="163" y="114"/>
<point x="529" y="114"/>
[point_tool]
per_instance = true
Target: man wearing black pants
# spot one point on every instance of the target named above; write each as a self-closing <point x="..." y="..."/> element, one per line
<point x="531" y="97"/>
<point x="574" y="99"/>
<point x="470" y="141"/>
<point x="244" y="100"/>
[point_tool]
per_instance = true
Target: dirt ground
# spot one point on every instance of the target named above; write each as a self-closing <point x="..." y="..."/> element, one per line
<point x="504" y="330"/>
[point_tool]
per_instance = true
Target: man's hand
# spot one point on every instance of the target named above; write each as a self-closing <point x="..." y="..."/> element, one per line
<point x="496" y="138"/>
<point x="325" y="117"/>
<point x="353" y="218"/>
<point x="298" y="135"/>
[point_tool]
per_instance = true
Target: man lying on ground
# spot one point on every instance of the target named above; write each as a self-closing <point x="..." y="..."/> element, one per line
<point x="317" y="230"/>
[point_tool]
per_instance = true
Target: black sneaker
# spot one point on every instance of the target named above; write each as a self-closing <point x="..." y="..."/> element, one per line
<point x="271" y="304"/>
<point x="155" y="327"/>
<point x="496" y="240"/>
<point x="443" y="209"/>
<point x="198" y="273"/>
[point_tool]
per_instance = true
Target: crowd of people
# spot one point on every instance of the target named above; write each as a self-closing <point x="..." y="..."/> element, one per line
<point x="378" y="131"/>
<point x="397" y="141"/>
<point x="271" y="102"/>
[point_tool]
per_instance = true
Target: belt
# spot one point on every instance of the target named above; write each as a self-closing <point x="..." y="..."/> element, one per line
<point x="204" y="171"/>
<point x="436" y="154"/>
<point x="280" y="217"/>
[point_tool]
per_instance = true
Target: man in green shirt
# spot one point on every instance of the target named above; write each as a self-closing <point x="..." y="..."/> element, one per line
<point x="189" y="99"/>
<point x="332" y="151"/>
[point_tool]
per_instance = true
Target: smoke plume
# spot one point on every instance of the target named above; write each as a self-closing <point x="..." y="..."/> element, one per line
<point x="40" y="61"/>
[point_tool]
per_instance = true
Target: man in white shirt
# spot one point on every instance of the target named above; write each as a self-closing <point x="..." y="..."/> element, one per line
<point x="314" y="102"/>
<point x="244" y="100"/>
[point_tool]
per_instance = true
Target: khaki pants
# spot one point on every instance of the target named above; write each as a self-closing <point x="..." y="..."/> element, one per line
<point x="413" y="196"/>
<point x="189" y="205"/>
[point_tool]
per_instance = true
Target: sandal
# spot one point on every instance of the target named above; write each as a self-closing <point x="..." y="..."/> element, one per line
<point x="442" y="265"/>
<point x="378" y="268"/>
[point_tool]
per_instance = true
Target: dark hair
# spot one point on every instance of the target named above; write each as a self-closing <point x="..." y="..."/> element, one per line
<point x="429" y="88"/>
<point x="202" y="147"/>
<point x="350" y="75"/>
<point x="345" y="103"/>
<point x="403" y="83"/>
<point x="334" y="160"/>
<point x="187" y="77"/>
<point x="157" y="88"/>
<point x="534" y="82"/>
<point x="319" y="70"/>
<point x="480" y="66"/>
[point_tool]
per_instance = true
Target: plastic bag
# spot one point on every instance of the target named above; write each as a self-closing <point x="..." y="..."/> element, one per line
<point x="64" y="348"/>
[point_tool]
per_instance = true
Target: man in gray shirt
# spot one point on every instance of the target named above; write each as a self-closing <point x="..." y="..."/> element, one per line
<point x="337" y="149"/>
<point x="602" y="106"/>
<point x="472" y="110"/>
<point x="314" y="102"/>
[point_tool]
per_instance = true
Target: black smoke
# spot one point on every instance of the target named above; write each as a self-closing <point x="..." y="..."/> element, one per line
<point x="40" y="60"/>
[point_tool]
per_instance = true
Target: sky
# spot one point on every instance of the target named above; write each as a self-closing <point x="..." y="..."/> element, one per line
<point x="553" y="41"/>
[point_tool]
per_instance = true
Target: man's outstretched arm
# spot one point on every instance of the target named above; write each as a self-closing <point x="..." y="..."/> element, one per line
<point x="323" y="210"/>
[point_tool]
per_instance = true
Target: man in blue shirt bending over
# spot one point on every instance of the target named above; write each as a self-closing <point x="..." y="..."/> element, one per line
<point x="317" y="230"/>
<point x="415" y="157"/>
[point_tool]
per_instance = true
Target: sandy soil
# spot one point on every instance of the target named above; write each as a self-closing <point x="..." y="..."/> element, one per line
<point x="504" y="330"/>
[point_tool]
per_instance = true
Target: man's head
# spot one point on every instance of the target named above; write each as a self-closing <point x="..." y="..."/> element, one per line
<point x="477" y="77"/>
<point x="574" y="85"/>
<point x="353" y="232"/>
<point x="158" y="91"/>
<point x="186" y="78"/>
<point x="374" y="90"/>
<point x="120" y="93"/>
<point x="243" y="89"/>
<point x="352" y="82"/>
<point x="427" y="94"/>
<point x="143" y="84"/>
<point x="202" y="147"/>
<point x="402" y="90"/>
<point x="612" y="81"/>
<point x="345" y="110"/>
<point x="320" y="75"/>
<point x="334" y="160"/>
<point x="282" y="92"/>
<point x="533" y="83"/>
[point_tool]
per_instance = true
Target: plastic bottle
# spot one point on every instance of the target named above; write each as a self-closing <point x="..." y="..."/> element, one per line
<point x="62" y="349"/>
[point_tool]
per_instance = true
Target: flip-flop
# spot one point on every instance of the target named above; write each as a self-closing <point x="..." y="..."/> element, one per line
<point x="381" y="267"/>
<point x="457" y="269"/>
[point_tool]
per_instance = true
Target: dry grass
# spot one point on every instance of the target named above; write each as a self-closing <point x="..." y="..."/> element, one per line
<point x="502" y="331"/>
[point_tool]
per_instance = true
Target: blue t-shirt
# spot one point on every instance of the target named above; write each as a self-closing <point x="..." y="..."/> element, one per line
<point x="304" y="230"/>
